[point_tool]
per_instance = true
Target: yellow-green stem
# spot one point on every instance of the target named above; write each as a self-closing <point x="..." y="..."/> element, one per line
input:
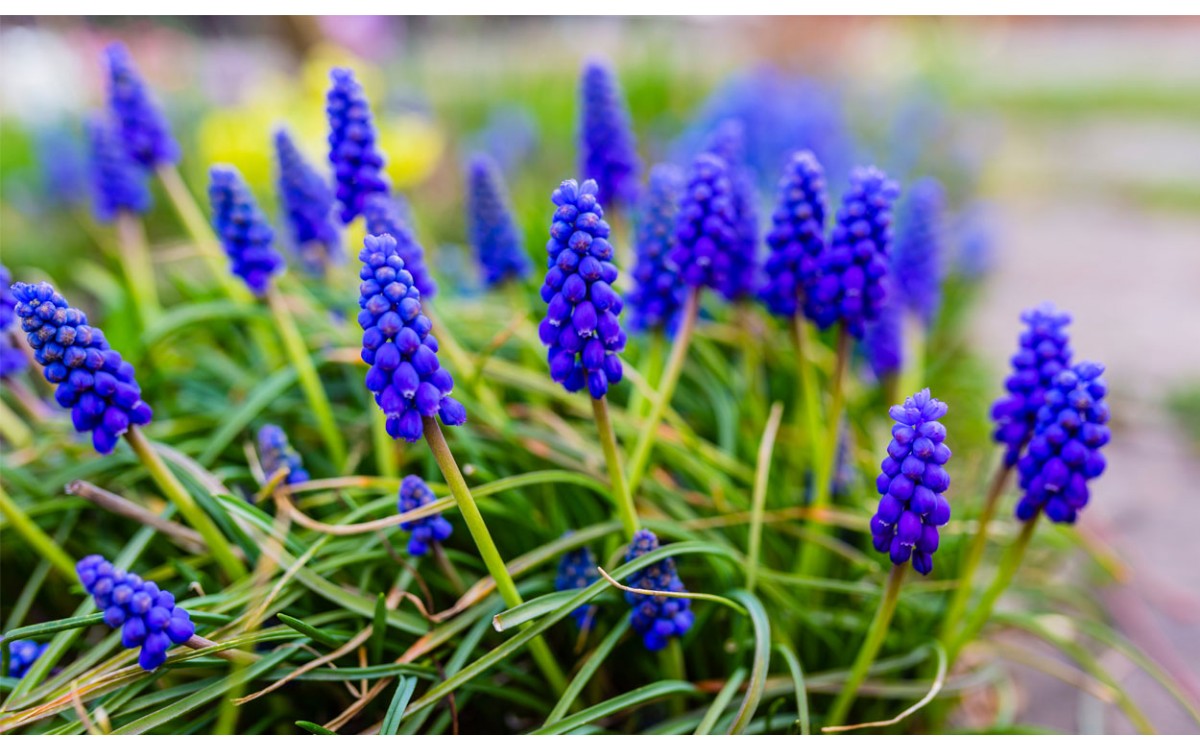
<point x="200" y="231"/>
<point x="870" y="648"/>
<point x="626" y="510"/>
<point x="651" y="369"/>
<point x="38" y="539"/>
<point x="138" y="267"/>
<point x="758" y="504"/>
<point x="310" y="381"/>
<point x="807" y="410"/>
<point x="178" y="494"/>
<point x="912" y="375"/>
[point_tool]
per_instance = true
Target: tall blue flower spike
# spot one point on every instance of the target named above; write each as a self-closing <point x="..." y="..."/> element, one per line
<point x="581" y="326"/>
<point x="577" y="570"/>
<point x="656" y="618"/>
<point x="657" y="300"/>
<point x="92" y="380"/>
<point x="912" y="506"/>
<point x="490" y="224"/>
<point x="797" y="235"/>
<point x="917" y="260"/>
<point x="146" y="615"/>
<point x="143" y="128"/>
<point x="706" y="236"/>
<point x="276" y="452"/>
<point x="22" y="655"/>
<point x="245" y="234"/>
<point x="883" y="341"/>
<point x="12" y="361"/>
<point x="356" y="158"/>
<point x="414" y="493"/>
<point x="1064" y="454"/>
<point x="849" y="288"/>
<point x="1043" y="352"/>
<point x="117" y="182"/>
<point x="388" y="214"/>
<point x="608" y="151"/>
<point x="309" y="207"/>
<point x="408" y="381"/>
<point x="728" y="142"/>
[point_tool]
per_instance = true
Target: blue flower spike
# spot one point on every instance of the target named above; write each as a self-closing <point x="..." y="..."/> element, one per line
<point x="706" y="234"/>
<point x="353" y="151"/>
<point x="308" y="206"/>
<point x="12" y="360"/>
<point x="117" y="182"/>
<point x="277" y="453"/>
<point x="657" y="300"/>
<point x="387" y="214"/>
<point x="427" y="531"/>
<point x="247" y="238"/>
<point x="608" y="150"/>
<point x="490" y="224"/>
<point x="797" y="235"/>
<point x="91" y="379"/>
<point x="917" y="260"/>
<point x="913" y="479"/>
<point x="656" y="618"/>
<point x="146" y="615"/>
<point x="408" y="381"/>
<point x="577" y="570"/>
<point x="728" y="141"/>
<point x="21" y="656"/>
<point x="1043" y="351"/>
<point x="143" y="128"/>
<point x="581" y="326"/>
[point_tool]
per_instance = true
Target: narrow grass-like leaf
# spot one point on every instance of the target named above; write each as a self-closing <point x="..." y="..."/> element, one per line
<point x="404" y="692"/>
<point x="316" y="634"/>
<point x="530" y="610"/>
<point x="762" y="660"/>
<point x="54" y="626"/>
<point x="622" y="702"/>
<point x="312" y="728"/>
<point x="722" y="701"/>
<point x="581" y="679"/>
<point x="236" y="421"/>
<point x="793" y="664"/>
<point x="379" y="631"/>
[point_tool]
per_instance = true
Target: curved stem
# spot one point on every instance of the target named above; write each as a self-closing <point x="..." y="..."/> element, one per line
<point x="608" y="441"/>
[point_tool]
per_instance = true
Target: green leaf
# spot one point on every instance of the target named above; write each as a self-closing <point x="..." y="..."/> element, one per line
<point x="312" y="728"/>
<point x="54" y="626"/>
<point x="762" y="660"/>
<point x="589" y="667"/>
<point x="180" y="317"/>
<point x="379" y="628"/>
<point x="793" y="664"/>
<point x="531" y="610"/>
<point x="235" y="422"/>
<point x="316" y="634"/>
<point x="611" y="706"/>
<point x="404" y="692"/>
<point x="721" y="702"/>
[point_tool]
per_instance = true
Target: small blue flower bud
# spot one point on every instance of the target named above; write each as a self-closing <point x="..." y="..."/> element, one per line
<point x="276" y="452"/>
<point x="656" y="618"/>
<point x="414" y="493"/>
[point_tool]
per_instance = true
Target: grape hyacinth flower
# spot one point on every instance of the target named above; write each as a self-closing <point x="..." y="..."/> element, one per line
<point x="408" y="381"/>
<point x="917" y="259"/>
<point x="62" y="158"/>
<point x="92" y="380"/>
<point x="356" y="159"/>
<point x="245" y="234"/>
<point x="277" y="453"/>
<point x="144" y="130"/>
<point x="656" y="618"/>
<point x="1064" y="454"/>
<point x="913" y="479"/>
<point x="883" y="342"/>
<point x="490" y="225"/>
<point x="146" y="615"/>
<point x="21" y="656"/>
<point x="308" y="205"/>
<point x="577" y="570"/>
<point x="728" y="142"/>
<point x="387" y="214"/>
<point x="797" y="236"/>
<point x="706" y="236"/>
<point x="414" y="493"/>
<point x="581" y="326"/>
<point x="1043" y="352"/>
<point x="608" y="151"/>
<point x="117" y="183"/>
<point x="12" y="361"/>
<point x="849" y="288"/>
<point x="657" y="300"/>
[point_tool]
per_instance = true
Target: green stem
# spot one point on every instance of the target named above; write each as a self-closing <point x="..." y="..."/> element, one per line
<point x="808" y="405"/>
<point x="958" y="605"/>
<point x="666" y="389"/>
<point x="870" y="648"/>
<point x="652" y="365"/>
<point x="138" y="267"/>
<point x="487" y="548"/>
<point x="178" y="494"/>
<point x="38" y="539"/>
<point x="673" y="668"/>
<point x="608" y="441"/>
<point x="200" y="231"/>
<point x="913" y="374"/>
<point x="759" y="500"/>
<point x="1004" y="576"/>
<point x="310" y="382"/>
<point x="13" y="428"/>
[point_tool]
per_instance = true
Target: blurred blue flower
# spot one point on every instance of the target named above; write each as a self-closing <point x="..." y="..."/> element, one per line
<point x="276" y="453"/>
<point x="117" y="182"/>
<point x="706" y="234"/>
<point x="797" y="236"/>
<point x="577" y="570"/>
<point x="917" y="257"/>
<point x="353" y="152"/>
<point x="389" y="214"/>
<point x="490" y="224"/>
<point x="657" y="299"/>
<point x="608" y="151"/>
<point x="12" y="359"/>
<point x="245" y="234"/>
<point x="309" y="207"/>
<point x="21" y="656"/>
<point x="414" y="493"/>
<point x="656" y="618"/>
<point x="144" y="129"/>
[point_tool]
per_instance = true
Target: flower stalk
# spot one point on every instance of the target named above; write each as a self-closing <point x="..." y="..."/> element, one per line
<point x="622" y="498"/>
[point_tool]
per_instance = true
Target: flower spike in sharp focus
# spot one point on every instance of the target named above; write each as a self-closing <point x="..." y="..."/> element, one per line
<point x="912" y="506"/>
<point x="355" y="156"/>
<point x="99" y="387"/>
<point x="657" y="300"/>
<point x="143" y="128"/>
<point x="797" y="236"/>
<point x="276" y="452"/>
<point x="308" y="206"/>
<point x="494" y="233"/>
<point x="577" y="570"/>
<point x="1043" y="352"/>
<point x="581" y="326"/>
<point x="917" y="258"/>
<point x="117" y="182"/>
<point x="656" y="618"/>
<point x="146" y="616"/>
<point x="408" y="381"/>
<point x="608" y="152"/>
<point x="414" y="493"/>
<point x="245" y="234"/>
<point x="387" y="214"/>
<point x="1064" y="454"/>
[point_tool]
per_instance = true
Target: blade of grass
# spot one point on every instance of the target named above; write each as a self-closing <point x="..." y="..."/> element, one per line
<point x="611" y="706"/>
<point x="762" y="660"/>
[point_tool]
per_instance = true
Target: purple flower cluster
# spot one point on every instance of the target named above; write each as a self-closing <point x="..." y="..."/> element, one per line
<point x="706" y="235"/>
<point x="12" y="361"/>
<point x="850" y="284"/>
<point x="308" y="205"/>
<point x="276" y="452"/>
<point x="577" y="570"/>
<point x="245" y="234"/>
<point x="93" y="381"/>
<point x="581" y="325"/>
<point x="912" y="506"/>
<point x="797" y="236"/>
<point x="414" y="493"/>
<point x="1064" y="453"/>
<point x="117" y="182"/>
<point x="883" y="341"/>
<point x="608" y="151"/>
<point x="1043" y="352"/>
<point x="490" y="225"/>
<point x="144" y="130"/>
<point x="917" y="259"/>
<point x="21" y="656"/>
<point x="386" y="214"/>
<point x="728" y="142"/>
<point x="356" y="159"/>
<point x="408" y="381"/>
<point x="657" y="300"/>
<point x="147" y="616"/>
<point x="656" y="618"/>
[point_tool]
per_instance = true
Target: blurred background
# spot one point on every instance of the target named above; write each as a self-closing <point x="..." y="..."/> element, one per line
<point x="1069" y="149"/>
